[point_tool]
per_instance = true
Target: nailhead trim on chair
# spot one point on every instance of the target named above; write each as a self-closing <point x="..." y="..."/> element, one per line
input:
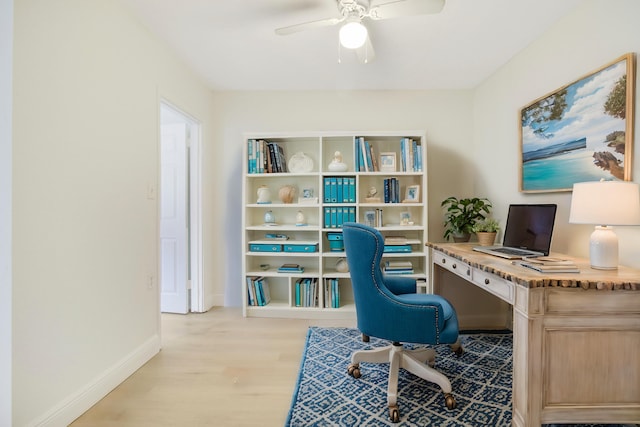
<point x="373" y="275"/>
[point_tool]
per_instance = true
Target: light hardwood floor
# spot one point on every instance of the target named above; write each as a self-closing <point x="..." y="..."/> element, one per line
<point x="215" y="369"/>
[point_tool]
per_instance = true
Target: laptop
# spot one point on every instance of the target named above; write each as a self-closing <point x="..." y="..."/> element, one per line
<point x="527" y="232"/>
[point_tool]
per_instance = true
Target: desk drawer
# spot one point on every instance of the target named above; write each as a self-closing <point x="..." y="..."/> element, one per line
<point x="494" y="284"/>
<point x="455" y="266"/>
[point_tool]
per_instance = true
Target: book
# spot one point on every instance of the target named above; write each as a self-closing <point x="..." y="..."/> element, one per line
<point x="549" y="268"/>
<point x="265" y="294"/>
<point x="364" y="150"/>
<point x="392" y="272"/>
<point x="395" y="240"/>
<point x="275" y="236"/>
<point x="258" y="291"/>
<point x="397" y="248"/>
<point x="398" y="265"/>
<point x="291" y="268"/>
<point x="547" y="260"/>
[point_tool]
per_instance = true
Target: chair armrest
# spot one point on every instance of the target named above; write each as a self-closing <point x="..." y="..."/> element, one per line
<point x="399" y="285"/>
<point x="415" y="303"/>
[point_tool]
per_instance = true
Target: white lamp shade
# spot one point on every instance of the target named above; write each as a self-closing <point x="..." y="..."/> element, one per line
<point x="605" y="203"/>
<point x="353" y="35"/>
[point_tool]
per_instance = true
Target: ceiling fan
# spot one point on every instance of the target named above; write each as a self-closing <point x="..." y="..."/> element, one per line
<point x="353" y="34"/>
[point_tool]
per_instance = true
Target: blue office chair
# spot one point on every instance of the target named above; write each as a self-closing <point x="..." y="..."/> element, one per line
<point x="389" y="308"/>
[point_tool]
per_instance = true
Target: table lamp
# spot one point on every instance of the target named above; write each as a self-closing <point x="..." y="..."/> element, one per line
<point x="605" y="203"/>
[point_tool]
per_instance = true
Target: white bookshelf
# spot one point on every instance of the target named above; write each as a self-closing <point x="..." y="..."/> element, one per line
<point x="320" y="148"/>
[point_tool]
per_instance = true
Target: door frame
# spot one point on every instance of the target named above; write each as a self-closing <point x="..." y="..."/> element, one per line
<point x="196" y="303"/>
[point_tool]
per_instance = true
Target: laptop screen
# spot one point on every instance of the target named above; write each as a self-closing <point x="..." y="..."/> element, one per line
<point x="530" y="227"/>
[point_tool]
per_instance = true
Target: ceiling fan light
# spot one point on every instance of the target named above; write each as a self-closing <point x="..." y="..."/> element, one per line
<point x="353" y="35"/>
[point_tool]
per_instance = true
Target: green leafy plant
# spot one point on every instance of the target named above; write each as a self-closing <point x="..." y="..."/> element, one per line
<point x="488" y="225"/>
<point x="462" y="214"/>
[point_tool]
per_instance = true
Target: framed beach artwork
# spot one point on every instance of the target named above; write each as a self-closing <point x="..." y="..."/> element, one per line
<point x="388" y="162"/>
<point x="580" y="132"/>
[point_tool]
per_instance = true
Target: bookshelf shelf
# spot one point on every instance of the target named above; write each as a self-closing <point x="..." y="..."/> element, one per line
<point x="325" y="211"/>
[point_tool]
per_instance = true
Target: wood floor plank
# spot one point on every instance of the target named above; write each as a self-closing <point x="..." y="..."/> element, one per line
<point x="215" y="369"/>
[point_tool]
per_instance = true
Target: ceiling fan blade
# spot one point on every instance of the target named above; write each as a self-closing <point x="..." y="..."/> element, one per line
<point x="308" y="26"/>
<point x="399" y="8"/>
<point x="365" y="53"/>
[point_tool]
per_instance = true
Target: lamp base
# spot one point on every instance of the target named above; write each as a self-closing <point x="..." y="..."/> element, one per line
<point x="603" y="248"/>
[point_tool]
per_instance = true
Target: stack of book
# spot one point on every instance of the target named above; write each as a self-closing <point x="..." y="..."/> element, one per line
<point x="395" y="240"/>
<point x="335" y="216"/>
<point x="265" y="157"/>
<point x="410" y="155"/>
<point x="291" y="268"/>
<point x="365" y="156"/>
<point x="546" y="264"/>
<point x="331" y="293"/>
<point x="306" y="292"/>
<point x="391" y="190"/>
<point x="398" y="267"/>
<point x="258" y="291"/>
<point x="338" y="189"/>
<point x="398" y="244"/>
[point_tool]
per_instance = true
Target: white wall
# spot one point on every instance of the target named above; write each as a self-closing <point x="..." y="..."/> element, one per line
<point x="87" y="87"/>
<point x="6" y="65"/>
<point x="445" y="115"/>
<point x="596" y="33"/>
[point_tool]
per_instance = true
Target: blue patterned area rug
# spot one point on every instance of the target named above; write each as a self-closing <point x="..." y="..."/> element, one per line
<point x="326" y="395"/>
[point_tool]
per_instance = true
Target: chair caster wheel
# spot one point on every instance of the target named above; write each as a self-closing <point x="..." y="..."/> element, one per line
<point x="457" y="349"/>
<point x="394" y="414"/>
<point x="450" y="401"/>
<point x="354" y="371"/>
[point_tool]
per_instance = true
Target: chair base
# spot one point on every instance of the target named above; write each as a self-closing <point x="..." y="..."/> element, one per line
<point x="419" y="362"/>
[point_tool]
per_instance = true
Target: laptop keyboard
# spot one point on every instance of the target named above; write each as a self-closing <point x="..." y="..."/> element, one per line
<point x="511" y="251"/>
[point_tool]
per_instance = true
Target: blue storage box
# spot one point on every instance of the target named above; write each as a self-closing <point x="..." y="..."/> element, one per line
<point x="301" y="247"/>
<point x="264" y="247"/>
<point x="336" y="244"/>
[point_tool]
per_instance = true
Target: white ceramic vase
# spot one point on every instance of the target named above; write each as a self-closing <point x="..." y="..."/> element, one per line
<point x="264" y="194"/>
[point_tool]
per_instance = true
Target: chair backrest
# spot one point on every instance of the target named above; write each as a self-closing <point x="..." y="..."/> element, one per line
<point x="415" y="318"/>
<point x="364" y="247"/>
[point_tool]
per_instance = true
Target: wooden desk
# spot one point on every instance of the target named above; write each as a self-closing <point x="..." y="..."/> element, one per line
<point x="576" y="337"/>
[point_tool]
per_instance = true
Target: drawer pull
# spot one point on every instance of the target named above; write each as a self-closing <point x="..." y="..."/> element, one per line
<point x="486" y="281"/>
<point x="454" y="265"/>
<point x="444" y="261"/>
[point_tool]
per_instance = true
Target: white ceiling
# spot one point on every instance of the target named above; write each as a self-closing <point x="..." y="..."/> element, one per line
<point x="232" y="44"/>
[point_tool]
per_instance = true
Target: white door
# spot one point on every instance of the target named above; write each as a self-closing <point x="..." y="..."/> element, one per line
<point x="174" y="255"/>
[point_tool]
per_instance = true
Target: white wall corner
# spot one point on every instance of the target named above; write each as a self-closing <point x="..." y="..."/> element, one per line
<point x="78" y="403"/>
<point x="6" y="280"/>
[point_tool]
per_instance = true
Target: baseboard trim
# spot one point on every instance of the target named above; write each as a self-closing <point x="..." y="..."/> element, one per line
<point x="78" y="403"/>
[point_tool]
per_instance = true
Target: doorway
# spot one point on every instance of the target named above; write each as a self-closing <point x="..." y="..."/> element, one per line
<point x="180" y="243"/>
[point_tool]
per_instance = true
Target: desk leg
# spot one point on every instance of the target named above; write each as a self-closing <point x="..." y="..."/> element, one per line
<point x="527" y="364"/>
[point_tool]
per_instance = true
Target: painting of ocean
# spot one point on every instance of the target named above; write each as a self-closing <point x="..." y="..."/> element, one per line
<point x="578" y="133"/>
<point x="561" y="171"/>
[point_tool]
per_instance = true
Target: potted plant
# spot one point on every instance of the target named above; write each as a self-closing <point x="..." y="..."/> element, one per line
<point x="462" y="214"/>
<point x="486" y="231"/>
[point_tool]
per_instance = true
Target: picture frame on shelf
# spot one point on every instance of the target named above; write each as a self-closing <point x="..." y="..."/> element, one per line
<point x="405" y="218"/>
<point x="370" y="218"/>
<point x="580" y="132"/>
<point x="388" y="162"/>
<point x="412" y="194"/>
<point x="307" y="196"/>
